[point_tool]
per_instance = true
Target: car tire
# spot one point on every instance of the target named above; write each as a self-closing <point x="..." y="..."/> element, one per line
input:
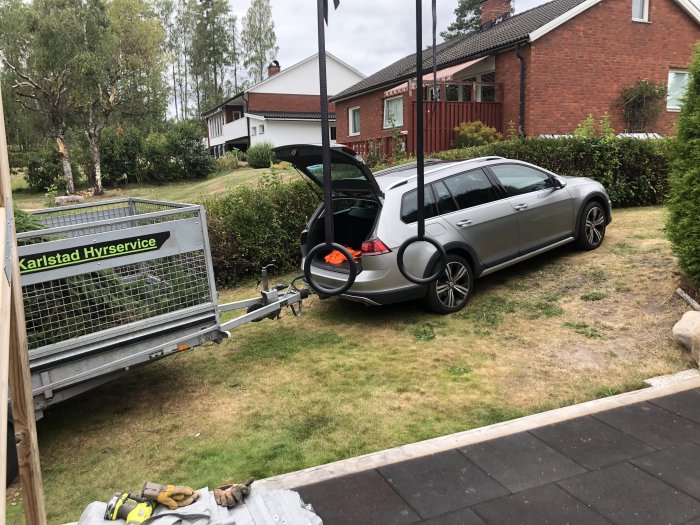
<point x="12" y="468"/>
<point x="591" y="227"/>
<point x="453" y="288"/>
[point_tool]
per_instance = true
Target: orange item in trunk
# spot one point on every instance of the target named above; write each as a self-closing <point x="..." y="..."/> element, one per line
<point x="335" y="257"/>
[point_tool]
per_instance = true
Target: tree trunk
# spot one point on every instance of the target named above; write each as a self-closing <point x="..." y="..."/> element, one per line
<point x="93" y="137"/>
<point x="65" y="160"/>
<point x="175" y="92"/>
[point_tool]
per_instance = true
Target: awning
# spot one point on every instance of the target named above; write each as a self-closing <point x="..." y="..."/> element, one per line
<point x="443" y="75"/>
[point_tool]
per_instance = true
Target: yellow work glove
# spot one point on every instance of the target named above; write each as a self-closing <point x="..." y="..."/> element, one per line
<point x="230" y="494"/>
<point x="172" y="496"/>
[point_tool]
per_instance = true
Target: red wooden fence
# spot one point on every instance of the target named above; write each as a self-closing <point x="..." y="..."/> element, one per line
<point x="440" y="119"/>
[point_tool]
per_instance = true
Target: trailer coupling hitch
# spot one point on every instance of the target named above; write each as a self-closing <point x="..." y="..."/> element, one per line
<point x="269" y="304"/>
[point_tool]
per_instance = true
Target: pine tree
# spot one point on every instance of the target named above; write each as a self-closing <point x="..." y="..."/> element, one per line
<point x="468" y="19"/>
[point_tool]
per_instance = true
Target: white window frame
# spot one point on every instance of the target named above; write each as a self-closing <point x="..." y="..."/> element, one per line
<point x="237" y="115"/>
<point x="253" y="131"/>
<point x="397" y="122"/>
<point x="645" y="5"/>
<point x="351" y="110"/>
<point x="261" y="129"/>
<point x="670" y="107"/>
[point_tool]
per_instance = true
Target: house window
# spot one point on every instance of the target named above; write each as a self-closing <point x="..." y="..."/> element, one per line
<point x="640" y="10"/>
<point x="488" y="93"/>
<point x="333" y="133"/>
<point x="354" y="120"/>
<point x="677" y="86"/>
<point x="261" y="129"/>
<point x="393" y="112"/>
<point x="237" y="115"/>
<point x="253" y="131"/>
<point x="216" y="125"/>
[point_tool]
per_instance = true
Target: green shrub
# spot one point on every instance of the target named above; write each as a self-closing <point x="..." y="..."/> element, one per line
<point x="156" y="163"/>
<point x="190" y="158"/>
<point x="260" y="155"/>
<point x="683" y="223"/>
<point x="20" y="159"/>
<point x="229" y="162"/>
<point x="250" y="226"/>
<point x="25" y="222"/>
<point x="44" y="170"/>
<point x="476" y="133"/>
<point x="641" y="104"/>
<point x="634" y="172"/>
<point x="121" y="150"/>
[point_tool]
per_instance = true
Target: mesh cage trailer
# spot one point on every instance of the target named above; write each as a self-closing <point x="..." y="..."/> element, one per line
<point x="112" y="285"/>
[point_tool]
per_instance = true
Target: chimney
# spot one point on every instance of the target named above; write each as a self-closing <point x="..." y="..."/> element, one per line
<point x="273" y="68"/>
<point x="494" y="11"/>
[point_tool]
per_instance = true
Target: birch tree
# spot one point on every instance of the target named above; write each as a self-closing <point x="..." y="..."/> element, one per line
<point x="258" y="39"/>
<point x="122" y="67"/>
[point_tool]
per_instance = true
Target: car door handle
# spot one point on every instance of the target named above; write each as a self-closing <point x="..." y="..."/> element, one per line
<point x="465" y="222"/>
<point x="521" y="207"/>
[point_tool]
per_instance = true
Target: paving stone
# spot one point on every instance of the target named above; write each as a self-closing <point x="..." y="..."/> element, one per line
<point x="686" y="404"/>
<point x="652" y="425"/>
<point x="440" y="483"/>
<point x="521" y="461"/>
<point x="538" y="506"/>
<point x="677" y="466"/>
<point x="627" y="495"/>
<point x="591" y="442"/>
<point x="460" y="517"/>
<point x="364" y="498"/>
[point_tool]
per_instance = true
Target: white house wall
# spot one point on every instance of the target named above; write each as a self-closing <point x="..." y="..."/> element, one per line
<point x="284" y="132"/>
<point x="302" y="79"/>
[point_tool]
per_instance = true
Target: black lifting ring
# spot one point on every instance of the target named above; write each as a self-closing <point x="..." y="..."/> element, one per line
<point x="322" y="290"/>
<point x="413" y="278"/>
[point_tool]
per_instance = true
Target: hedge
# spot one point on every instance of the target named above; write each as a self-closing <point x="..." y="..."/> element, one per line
<point x="250" y="226"/>
<point x="683" y="223"/>
<point x="635" y="172"/>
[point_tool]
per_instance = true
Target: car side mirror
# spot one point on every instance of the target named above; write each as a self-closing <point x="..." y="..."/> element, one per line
<point x="558" y="183"/>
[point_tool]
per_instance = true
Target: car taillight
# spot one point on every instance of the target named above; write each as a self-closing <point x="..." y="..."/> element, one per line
<point x="374" y="247"/>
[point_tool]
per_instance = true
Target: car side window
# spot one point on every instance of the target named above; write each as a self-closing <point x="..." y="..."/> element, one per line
<point x="445" y="201"/>
<point x="471" y="188"/>
<point x="518" y="179"/>
<point x="409" y="208"/>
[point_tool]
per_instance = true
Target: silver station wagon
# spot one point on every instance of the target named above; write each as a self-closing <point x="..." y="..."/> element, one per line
<point x="488" y="213"/>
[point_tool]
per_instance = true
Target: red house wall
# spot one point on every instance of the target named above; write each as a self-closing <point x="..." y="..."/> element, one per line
<point x="581" y="67"/>
<point x="285" y="102"/>
<point x="371" y="117"/>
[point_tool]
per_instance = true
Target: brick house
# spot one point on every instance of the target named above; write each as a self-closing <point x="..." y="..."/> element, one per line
<point x="284" y="108"/>
<point x="544" y="70"/>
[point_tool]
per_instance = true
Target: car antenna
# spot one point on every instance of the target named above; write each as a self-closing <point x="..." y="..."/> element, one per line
<point x="420" y="168"/>
<point x="328" y="244"/>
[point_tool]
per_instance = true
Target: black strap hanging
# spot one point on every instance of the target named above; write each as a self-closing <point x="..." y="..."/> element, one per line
<point x="322" y="16"/>
<point x="420" y="168"/>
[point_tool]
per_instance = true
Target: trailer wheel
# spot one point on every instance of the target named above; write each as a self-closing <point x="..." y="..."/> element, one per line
<point x="12" y="468"/>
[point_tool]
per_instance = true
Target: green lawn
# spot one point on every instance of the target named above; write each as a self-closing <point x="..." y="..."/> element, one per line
<point x="174" y="191"/>
<point x="344" y="379"/>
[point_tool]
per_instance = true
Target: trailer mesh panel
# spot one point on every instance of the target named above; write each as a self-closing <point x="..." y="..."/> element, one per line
<point x="83" y="304"/>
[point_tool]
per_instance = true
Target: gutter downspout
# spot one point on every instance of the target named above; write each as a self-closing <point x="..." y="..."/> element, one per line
<point x="521" y="116"/>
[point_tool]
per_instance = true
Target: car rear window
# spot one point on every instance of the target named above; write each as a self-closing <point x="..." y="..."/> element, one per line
<point x="409" y="207"/>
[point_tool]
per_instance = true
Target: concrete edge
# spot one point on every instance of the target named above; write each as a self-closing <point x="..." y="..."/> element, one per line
<point x="344" y="467"/>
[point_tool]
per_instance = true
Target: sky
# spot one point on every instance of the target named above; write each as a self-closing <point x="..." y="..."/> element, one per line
<point x="365" y="34"/>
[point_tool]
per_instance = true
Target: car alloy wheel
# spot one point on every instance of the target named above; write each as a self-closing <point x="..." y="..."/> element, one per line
<point x="454" y="287"/>
<point x="595" y="225"/>
<point x="592" y="226"/>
